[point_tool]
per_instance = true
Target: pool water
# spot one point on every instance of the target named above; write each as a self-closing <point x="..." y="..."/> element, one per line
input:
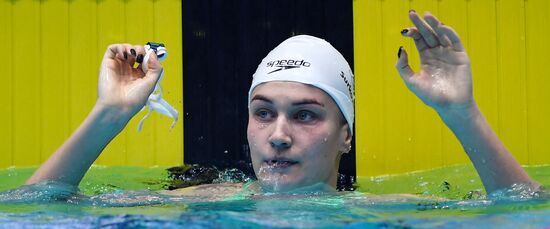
<point x="124" y="197"/>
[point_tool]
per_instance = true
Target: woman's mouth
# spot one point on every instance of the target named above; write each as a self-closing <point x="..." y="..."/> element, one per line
<point x="277" y="173"/>
<point x="280" y="163"/>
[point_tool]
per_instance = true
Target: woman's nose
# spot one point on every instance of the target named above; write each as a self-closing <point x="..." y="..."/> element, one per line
<point x="280" y="137"/>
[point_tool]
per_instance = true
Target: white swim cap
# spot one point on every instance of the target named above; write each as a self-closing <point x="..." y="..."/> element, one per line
<point x="313" y="61"/>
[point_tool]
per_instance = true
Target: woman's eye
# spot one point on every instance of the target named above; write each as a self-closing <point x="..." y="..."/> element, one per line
<point x="264" y="114"/>
<point x="305" y="116"/>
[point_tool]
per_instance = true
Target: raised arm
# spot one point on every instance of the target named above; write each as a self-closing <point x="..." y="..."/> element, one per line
<point x="122" y="92"/>
<point x="444" y="83"/>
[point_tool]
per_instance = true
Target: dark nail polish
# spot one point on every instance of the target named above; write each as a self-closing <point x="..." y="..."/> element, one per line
<point x="125" y="55"/>
<point x="139" y="58"/>
<point x="405" y="31"/>
<point x="399" y="52"/>
<point x="411" y="10"/>
<point x="133" y="52"/>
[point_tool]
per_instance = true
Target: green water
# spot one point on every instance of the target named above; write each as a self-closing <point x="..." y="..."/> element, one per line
<point x="99" y="179"/>
<point x="454" y="182"/>
<point x="464" y="204"/>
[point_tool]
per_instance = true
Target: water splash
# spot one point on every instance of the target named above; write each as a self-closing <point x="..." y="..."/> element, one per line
<point x="270" y="179"/>
<point x="194" y="174"/>
<point x="518" y="192"/>
<point x="43" y="192"/>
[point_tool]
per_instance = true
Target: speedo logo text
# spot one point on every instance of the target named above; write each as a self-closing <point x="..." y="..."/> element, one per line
<point x="286" y="64"/>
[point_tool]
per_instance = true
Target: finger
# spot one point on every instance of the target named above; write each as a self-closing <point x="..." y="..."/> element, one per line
<point x="425" y="30"/>
<point x="140" y="53"/>
<point x="419" y="41"/>
<point x="402" y="65"/>
<point x="132" y="54"/>
<point x="154" y="69"/>
<point x="127" y="53"/>
<point x="453" y="38"/>
<point x="436" y="25"/>
<point x="139" y="49"/>
<point x="115" y="51"/>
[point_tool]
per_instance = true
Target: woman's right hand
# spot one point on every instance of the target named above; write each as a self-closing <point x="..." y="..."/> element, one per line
<point x="121" y="87"/>
<point x="122" y="91"/>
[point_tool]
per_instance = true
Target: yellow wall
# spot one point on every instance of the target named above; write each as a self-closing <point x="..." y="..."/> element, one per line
<point x="52" y="49"/>
<point x="507" y="41"/>
<point x="50" y="57"/>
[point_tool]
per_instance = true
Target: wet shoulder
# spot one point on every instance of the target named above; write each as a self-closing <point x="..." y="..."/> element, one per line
<point x="369" y="198"/>
<point x="208" y="192"/>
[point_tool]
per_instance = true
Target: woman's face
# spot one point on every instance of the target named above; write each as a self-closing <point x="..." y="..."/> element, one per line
<point x="296" y="135"/>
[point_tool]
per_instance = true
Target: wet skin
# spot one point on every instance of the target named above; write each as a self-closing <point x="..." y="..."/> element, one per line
<point x="296" y="135"/>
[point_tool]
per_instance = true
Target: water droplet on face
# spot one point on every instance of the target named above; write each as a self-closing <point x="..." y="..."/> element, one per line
<point x="410" y="139"/>
<point x="374" y="156"/>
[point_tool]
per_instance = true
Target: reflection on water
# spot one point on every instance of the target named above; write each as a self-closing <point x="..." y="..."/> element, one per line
<point x="149" y="209"/>
<point x="53" y="204"/>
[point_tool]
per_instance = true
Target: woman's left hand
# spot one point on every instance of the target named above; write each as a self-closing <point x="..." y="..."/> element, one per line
<point x="445" y="83"/>
<point x="445" y="78"/>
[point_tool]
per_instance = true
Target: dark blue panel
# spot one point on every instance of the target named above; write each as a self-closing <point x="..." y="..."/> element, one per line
<point x="223" y="43"/>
